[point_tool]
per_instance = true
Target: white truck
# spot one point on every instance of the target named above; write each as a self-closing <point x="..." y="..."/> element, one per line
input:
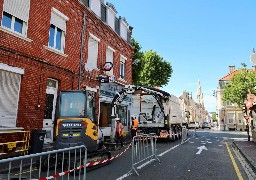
<point x="158" y="112"/>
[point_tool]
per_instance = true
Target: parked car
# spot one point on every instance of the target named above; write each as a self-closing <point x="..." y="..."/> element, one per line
<point x="193" y="125"/>
<point x="206" y="125"/>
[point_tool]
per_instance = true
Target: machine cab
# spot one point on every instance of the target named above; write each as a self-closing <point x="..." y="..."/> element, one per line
<point x="76" y="104"/>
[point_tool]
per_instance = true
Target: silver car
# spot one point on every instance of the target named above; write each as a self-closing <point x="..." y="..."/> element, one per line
<point x="206" y="125"/>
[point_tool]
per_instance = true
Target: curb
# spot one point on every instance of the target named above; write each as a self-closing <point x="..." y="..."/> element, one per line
<point x="247" y="158"/>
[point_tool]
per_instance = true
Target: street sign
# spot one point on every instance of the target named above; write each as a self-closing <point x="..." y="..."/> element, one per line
<point x="106" y="79"/>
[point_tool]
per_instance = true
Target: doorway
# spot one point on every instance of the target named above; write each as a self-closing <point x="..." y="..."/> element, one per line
<point x="50" y="106"/>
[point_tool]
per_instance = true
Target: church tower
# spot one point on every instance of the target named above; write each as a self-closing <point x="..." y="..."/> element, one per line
<point x="199" y="95"/>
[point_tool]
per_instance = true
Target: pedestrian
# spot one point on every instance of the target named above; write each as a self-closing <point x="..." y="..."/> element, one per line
<point x="134" y="127"/>
<point x="119" y="132"/>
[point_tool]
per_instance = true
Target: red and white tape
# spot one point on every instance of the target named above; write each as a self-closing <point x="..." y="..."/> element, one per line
<point x="87" y="165"/>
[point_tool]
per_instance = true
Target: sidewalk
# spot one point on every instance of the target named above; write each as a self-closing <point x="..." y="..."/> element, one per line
<point x="248" y="150"/>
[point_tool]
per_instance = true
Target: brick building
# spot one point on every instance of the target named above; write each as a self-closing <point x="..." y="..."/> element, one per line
<point x="53" y="45"/>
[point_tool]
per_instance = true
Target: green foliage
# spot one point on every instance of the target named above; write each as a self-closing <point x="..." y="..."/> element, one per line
<point x="155" y="71"/>
<point x="214" y="118"/>
<point x="137" y="55"/>
<point x="151" y="70"/>
<point x="237" y="89"/>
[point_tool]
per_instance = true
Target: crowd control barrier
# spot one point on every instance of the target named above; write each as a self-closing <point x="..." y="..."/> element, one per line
<point x="184" y="133"/>
<point x="53" y="164"/>
<point x="143" y="149"/>
<point x="19" y="146"/>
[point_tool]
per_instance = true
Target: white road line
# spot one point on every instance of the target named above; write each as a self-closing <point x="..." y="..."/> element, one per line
<point x="124" y="176"/>
<point x="146" y="163"/>
<point x="163" y="153"/>
<point x="168" y="150"/>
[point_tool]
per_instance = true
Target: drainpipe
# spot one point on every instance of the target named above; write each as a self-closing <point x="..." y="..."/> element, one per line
<point x="81" y="52"/>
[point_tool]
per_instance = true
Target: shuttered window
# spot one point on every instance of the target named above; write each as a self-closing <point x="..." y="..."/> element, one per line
<point x="93" y="51"/>
<point x="110" y="57"/>
<point x="9" y="97"/>
<point x="111" y="16"/>
<point x="57" y="30"/>
<point x="96" y="6"/>
<point x="123" y="30"/>
<point x="15" y="16"/>
<point x="18" y="8"/>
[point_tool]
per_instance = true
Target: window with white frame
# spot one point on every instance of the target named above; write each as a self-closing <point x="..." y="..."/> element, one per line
<point x="111" y="15"/>
<point x="122" y="67"/>
<point x="57" y="30"/>
<point x="96" y="7"/>
<point x="93" y="50"/>
<point x="240" y="118"/>
<point x="229" y="103"/>
<point x="123" y="29"/>
<point x="231" y="117"/>
<point x="15" y="16"/>
<point x="110" y="57"/>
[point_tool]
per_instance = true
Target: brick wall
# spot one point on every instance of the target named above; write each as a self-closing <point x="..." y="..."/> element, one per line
<point x="39" y="63"/>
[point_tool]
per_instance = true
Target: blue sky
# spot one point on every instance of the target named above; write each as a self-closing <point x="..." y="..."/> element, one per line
<point x="201" y="38"/>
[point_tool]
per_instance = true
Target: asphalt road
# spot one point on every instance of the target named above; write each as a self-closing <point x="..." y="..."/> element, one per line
<point x="206" y="155"/>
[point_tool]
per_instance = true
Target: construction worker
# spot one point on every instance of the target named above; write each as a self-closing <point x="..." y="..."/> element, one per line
<point x="119" y="132"/>
<point x="134" y="126"/>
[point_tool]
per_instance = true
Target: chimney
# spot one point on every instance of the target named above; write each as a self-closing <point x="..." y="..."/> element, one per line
<point x="231" y="69"/>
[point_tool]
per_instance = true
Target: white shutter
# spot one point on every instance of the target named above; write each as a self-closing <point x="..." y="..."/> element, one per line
<point x="111" y="18"/>
<point x="9" y="97"/>
<point x="109" y="58"/>
<point x="123" y="31"/>
<point x="58" y="21"/>
<point x="92" y="52"/>
<point x="96" y="6"/>
<point x="18" y="8"/>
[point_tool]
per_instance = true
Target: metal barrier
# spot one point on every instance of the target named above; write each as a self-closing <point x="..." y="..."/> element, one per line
<point x="19" y="146"/>
<point x="184" y="133"/>
<point x="143" y="148"/>
<point x="46" y="165"/>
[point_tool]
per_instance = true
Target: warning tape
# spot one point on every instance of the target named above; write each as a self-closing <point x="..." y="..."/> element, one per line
<point x="87" y="165"/>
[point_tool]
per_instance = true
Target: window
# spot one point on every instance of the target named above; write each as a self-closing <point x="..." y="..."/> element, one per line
<point x="123" y="29"/>
<point x="57" y="30"/>
<point x="111" y="15"/>
<point x="93" y="51"/>
<point x="229" y="103"/>
<point x="96" y="6"/>
<point x="109" y="57"/>
<point x="231" y="118"/>
<point x="10" y="79"/>
<point x="15" y="16"/>
<point x="240" y="118"/>
<point x="122" y="67"/>
<point x="13" y="23"/>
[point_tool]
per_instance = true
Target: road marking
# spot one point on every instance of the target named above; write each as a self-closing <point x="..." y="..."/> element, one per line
<point x="124" y="176"/>
<point x="163" y="153"/>
<point x="201" y="148"/>
<point x="234" y="163"/>
<point x="146" y="163"/>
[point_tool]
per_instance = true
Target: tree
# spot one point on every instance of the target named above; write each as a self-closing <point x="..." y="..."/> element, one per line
<point x="149" y="68"/>
<point x="155" y="71"/>
<point x="237" y="89"/>
<point x="136" y="65"/>
<point x="214" y="118"/>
